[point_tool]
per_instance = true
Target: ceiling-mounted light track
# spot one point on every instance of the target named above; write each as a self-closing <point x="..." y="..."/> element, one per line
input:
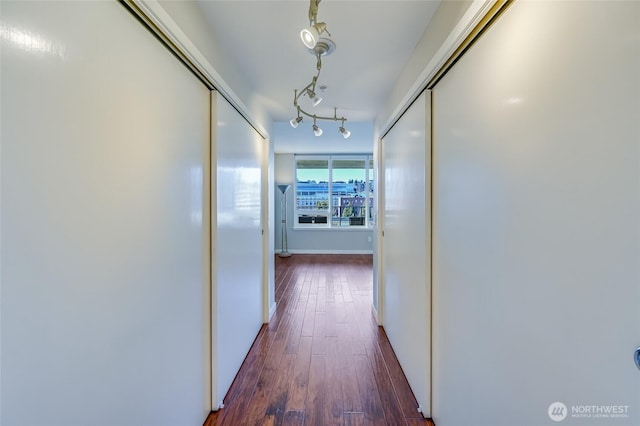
<point x="319" y="46"/>
<point x="325" y="46"/>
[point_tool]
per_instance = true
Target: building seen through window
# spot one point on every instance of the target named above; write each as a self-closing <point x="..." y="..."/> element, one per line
<point x="334" y="191"/>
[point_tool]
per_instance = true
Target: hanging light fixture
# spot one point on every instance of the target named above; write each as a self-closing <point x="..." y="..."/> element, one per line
<point x="311" y="35"/>
<point x="316" y="130"/>
<point x="344" y="132"/>
<point x="295" y="121"/>
<point x="315" y="99"/>
<point x="319" y="46"/>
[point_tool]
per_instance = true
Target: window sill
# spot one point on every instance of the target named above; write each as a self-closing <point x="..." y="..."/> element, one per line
<point x="333" y="228"/>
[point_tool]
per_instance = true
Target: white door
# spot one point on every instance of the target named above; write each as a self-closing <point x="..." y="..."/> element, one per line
<point x="237" y="294"/>
<point x="406" y="269"/>
<point x="104" y="141"/>
<point x="537" y="221"/>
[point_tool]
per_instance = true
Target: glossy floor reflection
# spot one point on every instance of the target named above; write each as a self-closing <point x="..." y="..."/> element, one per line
<point x="322" y="360"/>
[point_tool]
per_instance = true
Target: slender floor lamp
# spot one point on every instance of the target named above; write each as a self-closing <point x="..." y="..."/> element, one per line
<point x="284" y="250"/>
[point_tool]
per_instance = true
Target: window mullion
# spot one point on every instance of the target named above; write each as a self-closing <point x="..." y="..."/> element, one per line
<point x="330" y="215"/>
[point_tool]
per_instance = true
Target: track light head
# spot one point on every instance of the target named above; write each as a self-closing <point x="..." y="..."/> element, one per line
<point x="344" y="132"/>
<point x="295" y="121"/>
<point x="316" y="130"/>
<point x="315" y="99"/>
<point x="311" y="34"/>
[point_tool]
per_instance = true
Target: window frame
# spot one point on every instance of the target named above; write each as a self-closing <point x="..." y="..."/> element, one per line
<point x="329" y="225"/>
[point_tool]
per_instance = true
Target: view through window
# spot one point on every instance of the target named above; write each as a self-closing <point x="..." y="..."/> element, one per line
<point x="333" y="191"/>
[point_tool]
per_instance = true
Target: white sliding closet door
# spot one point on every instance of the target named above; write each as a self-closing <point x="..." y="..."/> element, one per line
<point x="105" y="289"/>
<point x="237" y="243"/>
<point x="407" y="293"/>
<point x="536" y="220"/>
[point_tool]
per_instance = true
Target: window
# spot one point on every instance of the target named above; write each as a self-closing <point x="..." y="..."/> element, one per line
<point x="312" y="191"/>
<point x="333" y="191"/>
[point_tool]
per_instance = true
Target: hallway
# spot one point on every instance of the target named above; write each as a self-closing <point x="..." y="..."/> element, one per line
<point x="322" y="360"/>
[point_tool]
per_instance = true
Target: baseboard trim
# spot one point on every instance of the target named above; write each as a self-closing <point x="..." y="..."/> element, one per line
<point x="328" y="251"/>
<point x="272" y="310"/>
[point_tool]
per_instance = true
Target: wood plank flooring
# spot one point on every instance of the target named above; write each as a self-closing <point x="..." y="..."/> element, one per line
<point x="322" y="360"/>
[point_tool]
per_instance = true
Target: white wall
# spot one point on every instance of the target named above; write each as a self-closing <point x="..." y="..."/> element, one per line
<point x="316" y="240"/>
<point x="536" y="218"/>
<point x="405" y="219"/>
<point x="104" y="290"/>
<point x="189" y="17"/>
<point x="444" y="20"/>
<point x="237" y="298"/>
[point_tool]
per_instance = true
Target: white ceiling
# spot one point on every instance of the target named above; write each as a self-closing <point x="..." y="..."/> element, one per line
<point x="374" y="41"/>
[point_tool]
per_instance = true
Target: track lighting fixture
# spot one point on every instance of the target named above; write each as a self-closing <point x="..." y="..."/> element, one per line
<point x="295" y="121"/>
<point x="311" y="34"/>
<point x="315" y="99"/>
<point x="344" y="132"/>
<point x="320" y="47"/>
<point x="316" y="130"/>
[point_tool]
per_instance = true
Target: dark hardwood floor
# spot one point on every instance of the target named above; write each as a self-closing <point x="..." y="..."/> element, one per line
<point x="322" y="360"/>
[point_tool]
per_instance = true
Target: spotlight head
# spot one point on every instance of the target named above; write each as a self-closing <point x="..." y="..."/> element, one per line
<point x="311" y="35"/>
<point x="317" y="130"/>
<point x="344" y="132"/>
<point x="315" y="99"/>
<point x="295" y="121"/>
